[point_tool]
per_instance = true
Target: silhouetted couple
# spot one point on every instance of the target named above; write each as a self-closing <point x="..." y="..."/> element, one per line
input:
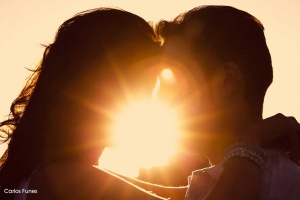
<point x="61" y="121"/>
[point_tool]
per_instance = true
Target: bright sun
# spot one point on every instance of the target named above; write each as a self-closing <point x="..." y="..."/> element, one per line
<point x="145" y="135"/>
<point x="147" y="120"/>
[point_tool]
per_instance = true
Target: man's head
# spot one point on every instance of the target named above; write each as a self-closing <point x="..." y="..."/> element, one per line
<point x="228" y="47"/>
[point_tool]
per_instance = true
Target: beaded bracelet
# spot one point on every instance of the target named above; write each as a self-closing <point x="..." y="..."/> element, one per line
<point x="247" y="151"/>
<point x="245" y="145"/>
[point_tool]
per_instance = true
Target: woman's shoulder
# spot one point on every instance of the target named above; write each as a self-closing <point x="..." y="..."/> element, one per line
<point x="70" y="180"/>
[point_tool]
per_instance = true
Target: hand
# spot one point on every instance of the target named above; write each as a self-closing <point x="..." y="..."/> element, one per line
<point x="276" y="131"/>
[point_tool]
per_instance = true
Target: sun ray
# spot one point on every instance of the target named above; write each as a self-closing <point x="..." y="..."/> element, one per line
<point x="92" y="106"/>
<point x="145" y="132"/>
<point x="123" y="83"/>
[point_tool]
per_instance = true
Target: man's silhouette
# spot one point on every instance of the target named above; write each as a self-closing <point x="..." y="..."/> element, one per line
<point x="223" y="55"/>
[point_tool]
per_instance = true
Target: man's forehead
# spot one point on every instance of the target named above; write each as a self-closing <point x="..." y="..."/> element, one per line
<point x="176" y="47"/>
<point x="182" y="42"/>
<point x="180" y="50"/>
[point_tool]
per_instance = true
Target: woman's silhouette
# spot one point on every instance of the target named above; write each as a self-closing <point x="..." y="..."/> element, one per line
<point x="59" y="124"/>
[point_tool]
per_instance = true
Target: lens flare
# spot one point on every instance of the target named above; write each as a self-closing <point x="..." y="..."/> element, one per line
<point x="156" y="88"/>
<point x="167" y="73"/>
<point x="145" y="135"/>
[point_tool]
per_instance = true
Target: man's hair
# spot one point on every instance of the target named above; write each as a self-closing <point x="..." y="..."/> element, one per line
<point x="233" y="36"/>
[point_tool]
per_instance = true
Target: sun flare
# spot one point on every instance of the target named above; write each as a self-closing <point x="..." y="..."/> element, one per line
<point x="147" y="120"/>
<point x="167" y="73"/>
<point x="144" y="134"/>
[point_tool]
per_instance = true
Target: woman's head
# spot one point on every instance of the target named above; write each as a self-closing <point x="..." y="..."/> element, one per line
<point x="81" y="68"/>
<point x="63" y="108"/>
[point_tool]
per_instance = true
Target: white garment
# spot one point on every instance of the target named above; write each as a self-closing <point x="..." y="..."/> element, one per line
<point x="280" y="179"/>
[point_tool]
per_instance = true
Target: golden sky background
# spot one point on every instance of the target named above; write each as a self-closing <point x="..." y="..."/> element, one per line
<point x="27" y="24"/>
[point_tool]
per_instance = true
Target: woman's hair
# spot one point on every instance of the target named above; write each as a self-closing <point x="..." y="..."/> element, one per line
<point x="85" y="47"/>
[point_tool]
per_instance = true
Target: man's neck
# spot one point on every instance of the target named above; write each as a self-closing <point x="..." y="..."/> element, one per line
<point x="233" y="125"/>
